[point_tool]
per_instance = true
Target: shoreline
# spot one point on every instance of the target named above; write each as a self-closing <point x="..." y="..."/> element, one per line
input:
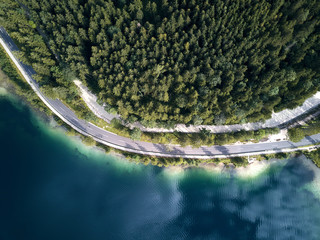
<point x="250" y="170"/>
<point x="8" y="87"/>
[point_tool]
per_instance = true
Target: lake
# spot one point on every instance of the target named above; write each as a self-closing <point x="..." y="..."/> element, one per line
<point x="54" y="187"/>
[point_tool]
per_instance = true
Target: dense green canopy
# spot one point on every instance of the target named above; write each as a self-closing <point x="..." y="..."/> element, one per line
<point x="187" y="61"/>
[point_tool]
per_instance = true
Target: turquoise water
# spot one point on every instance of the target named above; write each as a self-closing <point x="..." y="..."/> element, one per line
<point x="53" y="187"/>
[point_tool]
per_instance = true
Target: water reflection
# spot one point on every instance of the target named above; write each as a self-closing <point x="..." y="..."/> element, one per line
<point x="55" y="188"/>
<point x="277" y="208"/>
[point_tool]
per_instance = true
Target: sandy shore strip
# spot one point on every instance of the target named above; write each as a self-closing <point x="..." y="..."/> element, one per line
<point x="252" y="170"/>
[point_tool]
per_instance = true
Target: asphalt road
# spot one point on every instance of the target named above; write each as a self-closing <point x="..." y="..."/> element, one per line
<point x="129" y="145"/>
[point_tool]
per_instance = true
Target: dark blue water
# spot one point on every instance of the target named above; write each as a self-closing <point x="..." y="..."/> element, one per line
<point x="52" y="187"/>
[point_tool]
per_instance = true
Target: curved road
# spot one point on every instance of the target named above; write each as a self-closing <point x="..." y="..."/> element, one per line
<point x="126" y="144"/>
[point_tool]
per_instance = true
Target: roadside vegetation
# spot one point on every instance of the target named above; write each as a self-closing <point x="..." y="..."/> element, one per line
<point x="187" y="162"/>
<point x="235" y="161"/>
<point x="314" y="156"/>
<point x="168" y="161"/>
<point x="203" y="138"/>
<point x="16" y="84"/>
<point x="310" y="128"/>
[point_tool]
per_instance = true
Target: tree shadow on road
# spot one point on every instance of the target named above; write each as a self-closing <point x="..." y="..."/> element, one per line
<point x="223" y="150"/>
<point x="310" y="139"/>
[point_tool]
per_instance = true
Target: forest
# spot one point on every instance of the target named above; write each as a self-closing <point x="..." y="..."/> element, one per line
<point x="180" y="61"/>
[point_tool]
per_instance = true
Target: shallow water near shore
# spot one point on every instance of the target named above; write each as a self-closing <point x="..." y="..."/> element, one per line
<point x="54" y="187"/>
